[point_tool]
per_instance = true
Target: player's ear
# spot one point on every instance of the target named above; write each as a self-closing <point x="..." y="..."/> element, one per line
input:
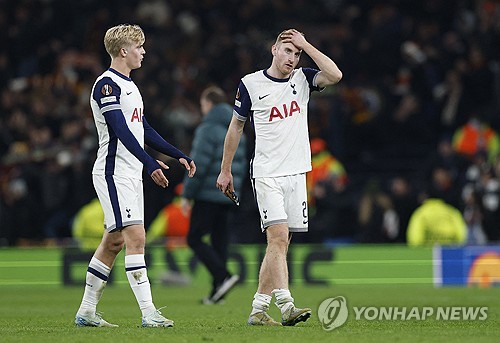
<point x="123" y="52"/>
<point x="273" y="49"/>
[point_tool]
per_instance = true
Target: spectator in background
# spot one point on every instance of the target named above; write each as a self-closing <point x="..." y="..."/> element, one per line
<point x="376" y="218"/>
<point x="472" y="216"/>
<point x="170" y="227"/>
<point x="436" y="222"/>
<point x="474" y="137"/>
<point x="404" y="202"/>
<point x="209" y="208"/>
<point x="445" y="156"/>
<point x="324" y="167"/>
<point x="20" y="211"/>
<point x="487" y="192"/>
<point x="335" y="217"/>
<point x="471" y="198"/>
<point x="88" y="225"/>
<point x="444" y="186"/>
<point x="452" y="99"/>
<point x="330" y="198"/>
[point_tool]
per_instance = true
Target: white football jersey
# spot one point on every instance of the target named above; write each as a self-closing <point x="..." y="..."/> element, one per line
<point x="278" y="111"/>
<point x="113" y="91"/>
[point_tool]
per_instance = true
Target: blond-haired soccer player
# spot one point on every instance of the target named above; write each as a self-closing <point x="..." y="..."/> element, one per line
<point x="276" y="100"/>
<point x="117" y="176"/>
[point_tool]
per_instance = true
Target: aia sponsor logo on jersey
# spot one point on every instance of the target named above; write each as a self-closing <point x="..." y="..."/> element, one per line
<point x="285" y="111"/>
<point x="136" y="115"/>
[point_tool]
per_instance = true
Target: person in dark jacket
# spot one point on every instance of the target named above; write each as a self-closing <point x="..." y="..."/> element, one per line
<point x="209" y="207"/>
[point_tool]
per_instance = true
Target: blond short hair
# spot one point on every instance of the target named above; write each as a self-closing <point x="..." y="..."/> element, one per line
<point x="121" y="36"/>
<point x="279" y="39"/>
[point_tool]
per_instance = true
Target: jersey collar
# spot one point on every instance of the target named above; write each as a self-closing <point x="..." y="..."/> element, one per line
<point x="119" y="74"/>
<point x="274" y="78"/>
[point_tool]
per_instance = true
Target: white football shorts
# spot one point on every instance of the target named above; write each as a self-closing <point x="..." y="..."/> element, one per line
<point x="122" y="200"/>
<point x="282" y="200"/>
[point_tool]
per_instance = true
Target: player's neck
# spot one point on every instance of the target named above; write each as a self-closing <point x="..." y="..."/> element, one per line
<point x="273" y="71"/>
<point x="120" y="67"/>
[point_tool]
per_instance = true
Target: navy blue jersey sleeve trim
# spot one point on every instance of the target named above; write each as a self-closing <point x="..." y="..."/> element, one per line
<point x="155" y="141"/>
<point x="116" y="123"/>
<point x="310" y="74"/>
<point x="107" y="94"/>
<point x="242" y="103"/>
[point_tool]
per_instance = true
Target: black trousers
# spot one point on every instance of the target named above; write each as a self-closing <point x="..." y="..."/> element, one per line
<point x="210" y="218"/>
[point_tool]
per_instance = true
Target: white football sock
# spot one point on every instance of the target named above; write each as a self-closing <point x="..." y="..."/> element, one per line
<point x="283" y="299"/>
<point x="95" y="281"/>
<point x="260" y="303"/>
<point x="137" y="276"/>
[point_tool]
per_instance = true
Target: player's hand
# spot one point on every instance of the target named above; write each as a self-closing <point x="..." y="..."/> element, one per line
<point x="295" y="37"/>
<point x="158" y="176"/>
<point x="225" y="181"/>
<point x="190" y="167"/>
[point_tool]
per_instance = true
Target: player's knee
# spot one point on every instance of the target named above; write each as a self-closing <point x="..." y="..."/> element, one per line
<point x="278" y="241"/>
<point x="112" y="246"/>
<point x="115" y="246"/>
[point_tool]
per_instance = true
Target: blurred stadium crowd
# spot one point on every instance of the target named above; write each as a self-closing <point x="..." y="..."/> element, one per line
<point x="417" y="112"/>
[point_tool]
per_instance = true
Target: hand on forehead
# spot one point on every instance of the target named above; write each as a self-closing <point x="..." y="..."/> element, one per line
<point x="290" y="32"/>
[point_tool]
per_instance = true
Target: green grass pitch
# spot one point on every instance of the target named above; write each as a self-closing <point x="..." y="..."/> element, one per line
<point x="44" y="312"/>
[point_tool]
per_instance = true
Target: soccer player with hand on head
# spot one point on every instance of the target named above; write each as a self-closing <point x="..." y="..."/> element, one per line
<point x="122" y="129"/>
<point x="275" y="100"/>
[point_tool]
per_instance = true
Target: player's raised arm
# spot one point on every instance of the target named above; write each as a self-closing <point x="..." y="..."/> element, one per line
<point x="329" y="72"/>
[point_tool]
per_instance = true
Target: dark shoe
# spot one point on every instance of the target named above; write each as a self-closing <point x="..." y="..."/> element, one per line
<point x="224" y="288"/>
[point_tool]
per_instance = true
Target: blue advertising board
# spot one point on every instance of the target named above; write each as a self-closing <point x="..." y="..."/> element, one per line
<point x="467" y="266"/>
